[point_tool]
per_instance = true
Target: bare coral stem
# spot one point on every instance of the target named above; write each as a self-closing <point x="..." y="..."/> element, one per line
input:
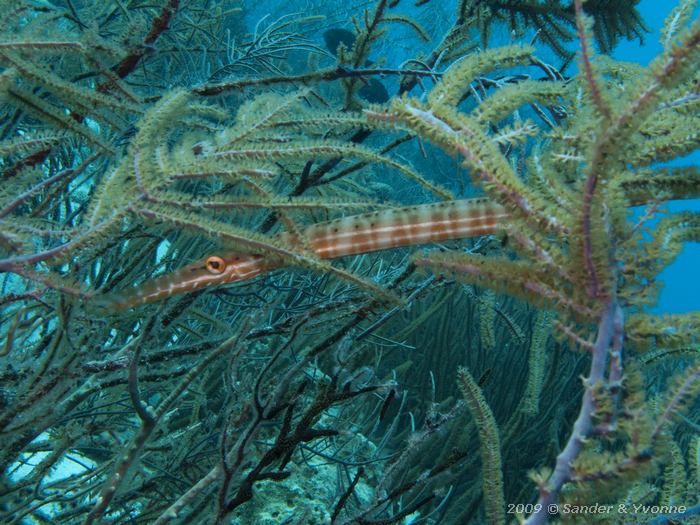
<point x="609" y="325"/>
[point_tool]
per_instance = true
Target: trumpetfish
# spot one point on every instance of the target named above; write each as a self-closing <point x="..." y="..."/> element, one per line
<point x="352" y="235"/>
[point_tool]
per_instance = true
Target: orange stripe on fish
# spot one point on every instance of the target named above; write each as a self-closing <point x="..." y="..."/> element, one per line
<point x="353" y="235"/>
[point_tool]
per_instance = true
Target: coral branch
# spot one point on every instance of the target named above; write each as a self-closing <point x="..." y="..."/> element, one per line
<point x="609" y="327"/>
<point x="158" y="26"/>
<point x="586" y="61"/>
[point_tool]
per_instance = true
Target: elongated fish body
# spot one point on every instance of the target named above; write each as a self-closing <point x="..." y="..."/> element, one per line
<point x="407" y="226"/>
<point x="357" y="234"/>
<point x="237" y="266"/>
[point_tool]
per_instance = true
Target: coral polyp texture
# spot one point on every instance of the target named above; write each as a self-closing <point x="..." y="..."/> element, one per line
<point x="385" y="262"/>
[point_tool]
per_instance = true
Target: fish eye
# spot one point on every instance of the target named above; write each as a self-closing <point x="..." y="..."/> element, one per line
<point x="215" y="265"/>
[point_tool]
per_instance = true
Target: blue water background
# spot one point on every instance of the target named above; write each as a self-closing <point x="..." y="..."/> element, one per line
<point x="681" y="292"/>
